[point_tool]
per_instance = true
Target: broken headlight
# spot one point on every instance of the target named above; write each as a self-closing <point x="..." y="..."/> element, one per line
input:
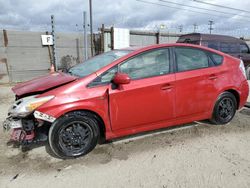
<point x="26" y="105"/>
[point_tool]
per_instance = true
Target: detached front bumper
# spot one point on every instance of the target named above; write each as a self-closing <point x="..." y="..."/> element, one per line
<point x="11" y="123"/>
<point x="31" y="129"/>
<point x="22" y="130"/>
<point x="25" y="123"/>
<point x="16" y="123"/>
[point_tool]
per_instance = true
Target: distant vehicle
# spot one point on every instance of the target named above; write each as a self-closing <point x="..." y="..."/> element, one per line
<point x="124" y="92"/>
<point x="227" y="44"/>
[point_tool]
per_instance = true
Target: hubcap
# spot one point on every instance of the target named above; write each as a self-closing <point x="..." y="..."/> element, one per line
<point x="226" y="108"/>
<point x="75" y="137"/>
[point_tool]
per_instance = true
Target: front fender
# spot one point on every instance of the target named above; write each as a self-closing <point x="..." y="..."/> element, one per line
<point x="94" y="102"/>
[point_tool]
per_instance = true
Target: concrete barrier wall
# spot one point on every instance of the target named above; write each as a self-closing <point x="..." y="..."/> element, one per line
<point x="24" y="57"/>
<point x="144" y="40"/>
<point x="168" y="39"/>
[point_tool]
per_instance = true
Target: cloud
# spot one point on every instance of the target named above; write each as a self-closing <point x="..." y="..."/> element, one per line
<point x="35" y="15"/>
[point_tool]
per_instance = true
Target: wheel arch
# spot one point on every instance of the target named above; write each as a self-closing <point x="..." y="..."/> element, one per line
<point x="236" y="95"/>
<point x="221" y="120"/>
<point x="98" y="118"/>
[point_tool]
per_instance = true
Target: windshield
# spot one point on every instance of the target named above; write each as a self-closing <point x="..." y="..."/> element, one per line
<point x="93" y="64"/>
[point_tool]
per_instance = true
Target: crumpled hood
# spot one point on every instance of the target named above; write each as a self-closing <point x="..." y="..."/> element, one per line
<point x="43" y="83"/>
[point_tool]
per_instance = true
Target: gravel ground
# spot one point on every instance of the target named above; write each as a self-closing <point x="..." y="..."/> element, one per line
<point x="193" y="155"/>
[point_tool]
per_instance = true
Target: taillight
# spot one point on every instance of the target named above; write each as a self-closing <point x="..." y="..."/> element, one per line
<point x="242" y="68"/>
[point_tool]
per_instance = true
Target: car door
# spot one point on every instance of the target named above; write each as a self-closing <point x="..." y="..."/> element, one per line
<point x="193" y="93"/>
<point x="149" y="97"/>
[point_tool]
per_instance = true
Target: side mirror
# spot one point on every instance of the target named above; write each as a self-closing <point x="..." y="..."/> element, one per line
<point x="121" y="78"/>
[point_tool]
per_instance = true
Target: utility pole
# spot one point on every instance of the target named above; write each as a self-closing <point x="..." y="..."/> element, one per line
<point x="195" y="27"/>
<point x="180" y="28"/>
<point x="85" y="35"/>
<point x="210" y="26"/>
<point x="91" y="27"/>
<point x="54" y="42"/>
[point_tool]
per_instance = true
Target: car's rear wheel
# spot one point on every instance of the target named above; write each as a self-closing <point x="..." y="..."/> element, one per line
<point x="224" y="109"/>
<point x="73" y="135"/>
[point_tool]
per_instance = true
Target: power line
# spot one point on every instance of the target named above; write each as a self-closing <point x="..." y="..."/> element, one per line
<point x="200" y="8"/>
<point x="194" y="11"/>
<point x="221" y="6"/>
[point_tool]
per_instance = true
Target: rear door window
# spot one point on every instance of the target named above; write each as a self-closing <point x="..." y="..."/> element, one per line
<point x="190" y="59"/>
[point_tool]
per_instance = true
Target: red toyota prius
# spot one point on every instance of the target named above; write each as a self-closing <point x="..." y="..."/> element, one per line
<point x="124" y="92"/>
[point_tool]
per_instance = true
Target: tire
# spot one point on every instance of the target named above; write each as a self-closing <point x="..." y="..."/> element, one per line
<point x="74" y="134"/>
<point x="224" y="109"/>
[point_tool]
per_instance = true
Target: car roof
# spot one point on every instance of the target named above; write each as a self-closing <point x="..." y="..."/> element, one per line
<point x="209" y="37"/>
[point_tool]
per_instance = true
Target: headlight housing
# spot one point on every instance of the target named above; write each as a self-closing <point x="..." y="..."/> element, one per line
<point x="25" y="106"/>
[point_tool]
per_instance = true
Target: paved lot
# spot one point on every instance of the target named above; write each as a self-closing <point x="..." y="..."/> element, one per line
<point x="195" y="155"/>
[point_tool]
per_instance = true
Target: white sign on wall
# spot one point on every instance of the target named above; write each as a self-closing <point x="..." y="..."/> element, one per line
<point x="121" y="38"/>
<point x="47" y="39"/>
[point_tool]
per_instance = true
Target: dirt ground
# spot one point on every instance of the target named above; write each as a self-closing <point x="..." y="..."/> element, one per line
<point x="193" y="155"/>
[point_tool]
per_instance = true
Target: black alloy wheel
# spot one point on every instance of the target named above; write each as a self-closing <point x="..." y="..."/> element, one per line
<point x="224" y="109"/>
<point x="74" y="135"/>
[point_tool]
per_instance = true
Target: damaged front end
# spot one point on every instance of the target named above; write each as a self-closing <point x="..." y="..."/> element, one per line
<point x="26" y="124"/>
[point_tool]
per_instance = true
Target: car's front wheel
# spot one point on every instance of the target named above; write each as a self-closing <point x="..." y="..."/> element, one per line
<point x="73" y="135"/>
<point x="224" y="109"/>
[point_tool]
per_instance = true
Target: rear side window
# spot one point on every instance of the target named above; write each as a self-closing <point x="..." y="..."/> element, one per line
<point x="217" y="59"/>
<point x="244" y="48"/>
<point x="190" y="59"/>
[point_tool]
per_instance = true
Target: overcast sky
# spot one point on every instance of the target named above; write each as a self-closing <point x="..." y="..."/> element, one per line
<point x="35" y="15"/>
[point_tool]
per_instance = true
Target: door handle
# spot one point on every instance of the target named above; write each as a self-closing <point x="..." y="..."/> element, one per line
<point x="212" y="77"/>
<point x="167" y="87"/>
